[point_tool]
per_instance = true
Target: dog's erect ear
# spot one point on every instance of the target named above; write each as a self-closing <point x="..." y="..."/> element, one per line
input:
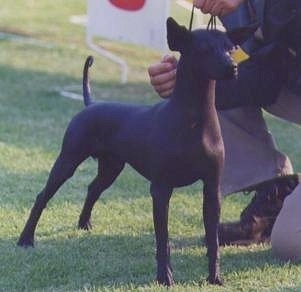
<point x="177" y="36"/>
<point x="239" y="35"/>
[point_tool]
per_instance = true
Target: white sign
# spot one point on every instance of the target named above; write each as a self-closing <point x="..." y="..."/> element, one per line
<point x="141" y="22"/>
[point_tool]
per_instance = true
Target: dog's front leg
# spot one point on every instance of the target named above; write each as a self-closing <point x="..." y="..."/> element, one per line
<point x="211" y="214"/>
<point x="161" y="195"/>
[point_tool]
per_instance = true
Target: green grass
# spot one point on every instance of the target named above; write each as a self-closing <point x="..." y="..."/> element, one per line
<point x="118" y="254"/>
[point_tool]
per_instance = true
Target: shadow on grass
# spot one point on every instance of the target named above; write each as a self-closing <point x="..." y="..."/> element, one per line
<point x="102" y="261"/>
<point x="33" y="113"/>
<point x="19" y="189"/>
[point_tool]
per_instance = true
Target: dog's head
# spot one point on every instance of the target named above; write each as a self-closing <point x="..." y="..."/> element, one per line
<point x="206" y="52"/>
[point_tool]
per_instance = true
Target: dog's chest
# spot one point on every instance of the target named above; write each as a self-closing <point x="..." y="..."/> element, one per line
<point x="188" y="147"/>
<point x="186" y="151"/>
<point x="191" y="148"/>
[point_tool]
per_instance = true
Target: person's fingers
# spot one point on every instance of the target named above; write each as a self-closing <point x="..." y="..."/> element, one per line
<point x="159" y="68"/>
<point x="163" y="75"/>
<point x="198" y="3"/>
<point x="166" y="88"/>
<point x="170" y="59"/>
<point x="168" y="63"/>
<point x="162" y="78"/>
<point x="223" y="12"/>
<point x="217" y="9"/>
<point x="207" y="6"/>
<point x="166" y="93"/>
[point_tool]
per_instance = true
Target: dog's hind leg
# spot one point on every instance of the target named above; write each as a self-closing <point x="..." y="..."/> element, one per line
<point x="108" y="169"/>
<point x="161" y="196"/>
<point x="211" y="214"/>
<point x="63" y="169"/>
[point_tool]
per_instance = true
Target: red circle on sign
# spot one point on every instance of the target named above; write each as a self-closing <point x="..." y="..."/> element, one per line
<point x="131" y="5"/>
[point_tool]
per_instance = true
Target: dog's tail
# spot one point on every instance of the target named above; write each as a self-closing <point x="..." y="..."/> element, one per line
<point x="86" y="82"/>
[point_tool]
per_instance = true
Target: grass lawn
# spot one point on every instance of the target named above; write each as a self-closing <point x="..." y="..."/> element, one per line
<point x="119" y="253"/>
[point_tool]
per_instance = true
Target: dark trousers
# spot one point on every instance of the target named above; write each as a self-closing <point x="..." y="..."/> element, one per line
<point x="256" y="85"/>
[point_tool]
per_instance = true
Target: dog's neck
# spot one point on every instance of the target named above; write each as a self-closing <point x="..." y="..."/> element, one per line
<point x="192" y="90"/>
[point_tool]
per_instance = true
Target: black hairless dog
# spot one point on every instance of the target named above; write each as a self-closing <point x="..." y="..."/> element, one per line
<point x="173" y="143"/>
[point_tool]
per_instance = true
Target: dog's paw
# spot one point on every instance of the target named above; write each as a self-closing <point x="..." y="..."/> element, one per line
<point x="25" y="242"/>
<point x="216" y="280"/>
<point x="164" y="276"/>
<point x="85" y="225"/>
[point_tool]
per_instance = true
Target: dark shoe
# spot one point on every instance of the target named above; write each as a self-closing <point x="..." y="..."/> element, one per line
<point x="257" y="219"/>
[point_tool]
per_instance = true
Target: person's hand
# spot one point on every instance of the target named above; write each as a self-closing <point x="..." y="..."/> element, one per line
<point x="163" y="75"/>
<point x="217" y="7"/>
